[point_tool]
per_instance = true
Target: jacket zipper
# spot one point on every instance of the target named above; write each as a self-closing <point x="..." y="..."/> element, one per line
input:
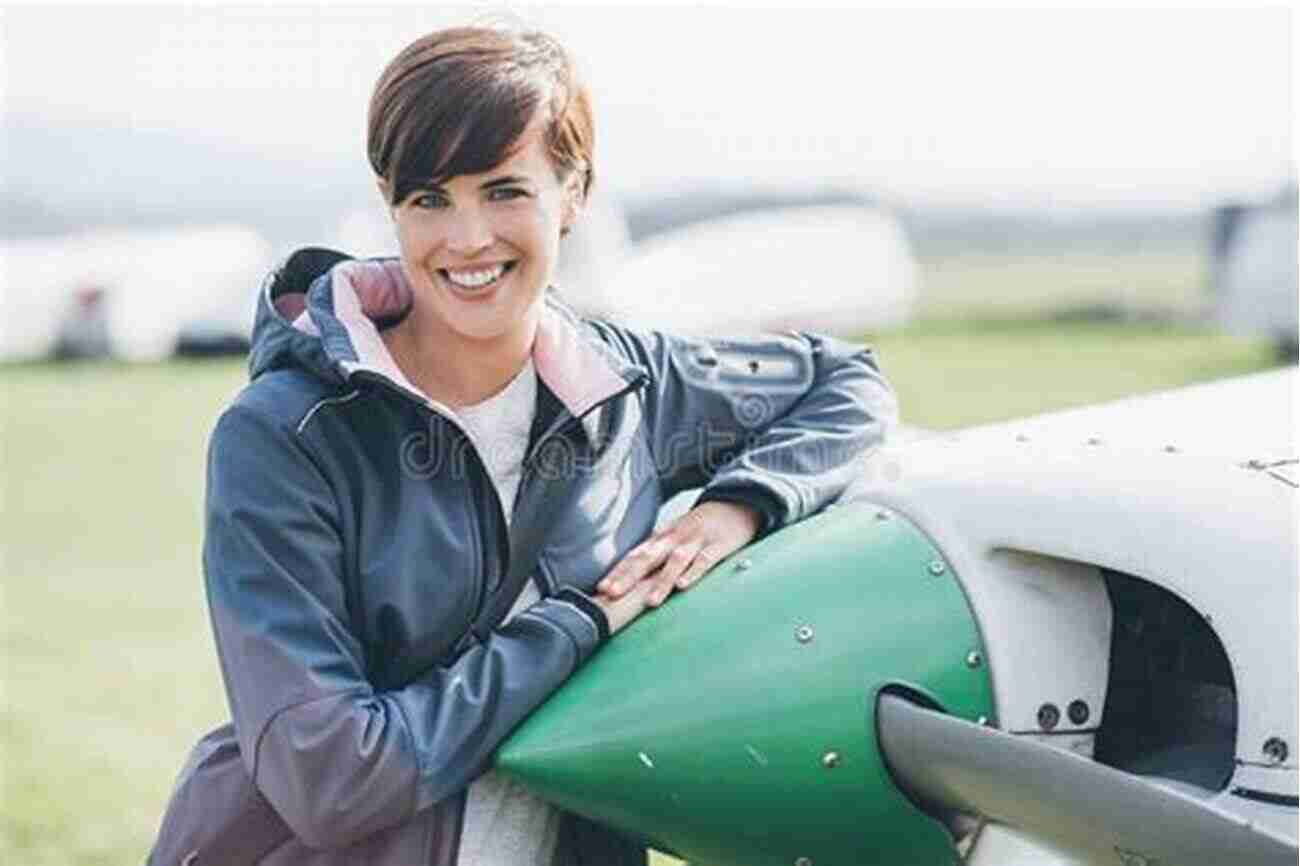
<point x="527" y="470"/>
<point x="529" y="467"/>
<point x="479" y="589"/>
<point x="503" y="545"/>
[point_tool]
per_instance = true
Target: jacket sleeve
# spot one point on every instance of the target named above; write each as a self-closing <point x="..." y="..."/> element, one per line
<point x="776" y="422"/>
<point x="337" y="758"/>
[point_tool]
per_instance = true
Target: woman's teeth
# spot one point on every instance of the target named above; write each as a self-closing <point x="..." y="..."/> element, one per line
<point x="476" y="279"/>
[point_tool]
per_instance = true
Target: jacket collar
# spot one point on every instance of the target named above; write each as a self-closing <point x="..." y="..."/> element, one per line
<point x="332" y="324"/>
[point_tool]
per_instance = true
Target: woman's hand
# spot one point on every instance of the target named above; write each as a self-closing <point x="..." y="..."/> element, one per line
<point x="621" y="611"/>
<point x="678" y="555"/>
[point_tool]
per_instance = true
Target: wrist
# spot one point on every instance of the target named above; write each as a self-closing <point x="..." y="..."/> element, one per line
<point x="763" y="504"/>
<point x="589" y="606"/>
<point x="741" y="514"/>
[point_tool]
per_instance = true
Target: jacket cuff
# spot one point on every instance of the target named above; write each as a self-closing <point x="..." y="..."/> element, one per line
<point x="770" y="508"/>
<point x="579" y="617"/>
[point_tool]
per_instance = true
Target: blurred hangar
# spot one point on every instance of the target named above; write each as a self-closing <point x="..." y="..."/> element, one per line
<point x="1253" y="269"/>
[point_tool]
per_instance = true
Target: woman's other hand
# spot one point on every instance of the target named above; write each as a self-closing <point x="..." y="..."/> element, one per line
<point x="627" y="607"/>
<point x="679" y="554"/>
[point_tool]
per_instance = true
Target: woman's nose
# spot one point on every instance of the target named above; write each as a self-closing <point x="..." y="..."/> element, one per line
<point x="469" y="232"/>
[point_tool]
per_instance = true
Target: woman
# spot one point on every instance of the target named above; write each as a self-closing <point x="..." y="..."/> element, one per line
<point x="412" y="423"/>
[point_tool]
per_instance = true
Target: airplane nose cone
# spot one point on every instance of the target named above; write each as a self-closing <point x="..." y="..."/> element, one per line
<point x="736" y="724"/>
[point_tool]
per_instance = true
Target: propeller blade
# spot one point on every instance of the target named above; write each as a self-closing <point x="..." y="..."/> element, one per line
<point x="1063" y="797"/>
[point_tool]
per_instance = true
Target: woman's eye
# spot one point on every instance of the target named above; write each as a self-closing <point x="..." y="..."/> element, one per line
<point x="506" y="193"/>
<point x="429" y="200"/>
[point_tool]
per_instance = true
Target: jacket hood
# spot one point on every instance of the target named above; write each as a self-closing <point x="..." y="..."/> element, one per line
<point x="319" y="313"/>
<point x="276" y="341"/>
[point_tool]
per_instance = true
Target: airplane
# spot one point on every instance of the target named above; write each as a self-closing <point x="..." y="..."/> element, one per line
<point x="697" y="270"/>
<point x="1068" y="640"/>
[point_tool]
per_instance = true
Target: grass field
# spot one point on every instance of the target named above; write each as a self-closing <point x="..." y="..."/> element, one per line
<point x="109" y="671"/>
<point x="1164" y="281"/>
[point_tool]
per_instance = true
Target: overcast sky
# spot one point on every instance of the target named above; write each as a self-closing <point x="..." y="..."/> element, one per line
<point x="1003" y="107"/>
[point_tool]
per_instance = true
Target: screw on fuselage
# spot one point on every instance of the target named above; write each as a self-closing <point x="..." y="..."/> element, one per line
<point x="882" y="515"/>
<point x="974" y="659"/>
<point x="831" y="760"/>
<point x="1275" y="749"/>
<point x="1048" y="716"/>
<point x="744" y="564"/>
<point x="1078" y="711"/>
<point x="803" y="861"/>
<point x="937" y="568"/>
<point x="803" y="634"/>
<point x="1093" y="440"/>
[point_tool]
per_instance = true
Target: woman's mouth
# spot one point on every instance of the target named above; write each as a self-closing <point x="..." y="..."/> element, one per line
<point x="476" y="279"/>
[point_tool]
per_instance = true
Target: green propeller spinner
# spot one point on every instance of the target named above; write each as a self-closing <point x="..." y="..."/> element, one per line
<point x="736" y="725"/>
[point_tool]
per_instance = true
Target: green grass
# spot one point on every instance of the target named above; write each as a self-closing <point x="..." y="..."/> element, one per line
<point x="951" y="373"/>
<point x="109" y="668"/>
<point x="109" y="671"/>
<point x="986" y="284"/>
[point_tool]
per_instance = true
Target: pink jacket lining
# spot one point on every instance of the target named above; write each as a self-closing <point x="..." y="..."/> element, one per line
<point x="575" y="372"/>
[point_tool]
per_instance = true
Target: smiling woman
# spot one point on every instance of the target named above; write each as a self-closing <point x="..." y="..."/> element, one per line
<point x="482" y="146"/>
<point x="479" y="250"/>
<point x="438" y="495"/>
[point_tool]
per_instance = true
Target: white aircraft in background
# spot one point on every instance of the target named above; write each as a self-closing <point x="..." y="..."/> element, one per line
<point x="139" y="289"/>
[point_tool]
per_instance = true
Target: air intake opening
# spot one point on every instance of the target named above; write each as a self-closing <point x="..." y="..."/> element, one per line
<point x="1171" y="702"/>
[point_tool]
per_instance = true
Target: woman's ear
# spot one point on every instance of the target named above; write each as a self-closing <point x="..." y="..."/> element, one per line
<point x="574" y="200"/>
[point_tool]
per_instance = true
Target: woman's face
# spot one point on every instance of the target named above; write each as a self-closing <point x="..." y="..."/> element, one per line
<point x="480" y="250"/>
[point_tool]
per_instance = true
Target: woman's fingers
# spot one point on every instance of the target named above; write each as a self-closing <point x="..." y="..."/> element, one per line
<point x="702" y="565"/>
<point x="702" y="561"/>
<point x="621" y="611"/>
<point x="641" y="561"/>
<point x="681" y="553"/>
<point x="677" y="563"/>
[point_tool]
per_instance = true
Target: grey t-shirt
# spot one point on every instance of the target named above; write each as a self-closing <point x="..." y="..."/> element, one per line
<point x="505" y="825"/>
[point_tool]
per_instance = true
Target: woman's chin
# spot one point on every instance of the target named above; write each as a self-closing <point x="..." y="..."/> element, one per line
<point x="487" y="325"/>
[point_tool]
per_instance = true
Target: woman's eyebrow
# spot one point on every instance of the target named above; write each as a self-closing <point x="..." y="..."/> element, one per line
<point x="502" y="181"/>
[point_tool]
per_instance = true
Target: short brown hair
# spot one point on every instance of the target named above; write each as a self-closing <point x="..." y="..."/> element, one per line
<point x="457" y="100"/>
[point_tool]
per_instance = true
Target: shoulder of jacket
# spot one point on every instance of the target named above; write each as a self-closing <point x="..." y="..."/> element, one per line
<point x="287" y="397"/>
<point x="626" y="343"/>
